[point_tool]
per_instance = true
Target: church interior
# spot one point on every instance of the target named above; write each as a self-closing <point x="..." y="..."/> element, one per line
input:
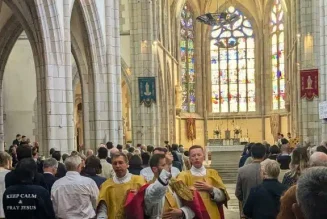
<point x="75" y="74"/>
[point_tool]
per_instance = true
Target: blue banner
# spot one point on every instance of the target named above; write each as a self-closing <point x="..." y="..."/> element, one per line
<point x="147" y="90"/>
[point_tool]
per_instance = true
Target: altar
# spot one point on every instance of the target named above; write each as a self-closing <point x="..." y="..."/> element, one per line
<point x="225" y="156"/>
<point x="224" y="153"/>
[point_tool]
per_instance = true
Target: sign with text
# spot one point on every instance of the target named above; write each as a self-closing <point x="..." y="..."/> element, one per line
<point x="147" y="90"/>
<point x="309" y="84"/>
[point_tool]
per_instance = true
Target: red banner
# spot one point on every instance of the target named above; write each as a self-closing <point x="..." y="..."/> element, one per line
<point x="190" y="129"/>
<point x="309" y="84"/>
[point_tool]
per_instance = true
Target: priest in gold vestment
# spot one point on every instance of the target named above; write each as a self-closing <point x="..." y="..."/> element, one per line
<point x="207" y="182"/>
<point x="113" y="192"/>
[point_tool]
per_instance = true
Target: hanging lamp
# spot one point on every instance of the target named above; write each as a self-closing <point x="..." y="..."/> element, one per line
<point x="218" y="19"/>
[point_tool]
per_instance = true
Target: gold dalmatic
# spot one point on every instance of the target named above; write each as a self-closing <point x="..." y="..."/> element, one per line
<point x="114" y="195"/>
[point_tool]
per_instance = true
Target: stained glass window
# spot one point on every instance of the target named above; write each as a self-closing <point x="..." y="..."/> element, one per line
<point x="187" y="60"/>
<point x="233" y="65"/>
<point x="278" y="59"/>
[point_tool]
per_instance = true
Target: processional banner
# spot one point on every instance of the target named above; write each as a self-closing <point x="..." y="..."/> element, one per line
<point x="147" y="90"/>
<point x="309" y="83"/>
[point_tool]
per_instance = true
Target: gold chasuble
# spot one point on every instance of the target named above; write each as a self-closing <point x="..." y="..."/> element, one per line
<point x="114" y="195"/>
<point x="213" y="179"/>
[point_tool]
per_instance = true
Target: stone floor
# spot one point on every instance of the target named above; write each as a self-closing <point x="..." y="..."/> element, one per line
<point x="233" y="211"/>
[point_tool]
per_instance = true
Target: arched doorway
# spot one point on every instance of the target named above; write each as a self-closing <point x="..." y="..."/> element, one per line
<point x="19" y="92"/>
<point x="126" y="107"/>
<point x="22" y="75"/>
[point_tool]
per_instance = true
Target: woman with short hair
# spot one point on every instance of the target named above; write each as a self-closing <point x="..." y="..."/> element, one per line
<point x="263" y="201"/>
<point x="92" y="168"/>
<point x="135" y="165"/>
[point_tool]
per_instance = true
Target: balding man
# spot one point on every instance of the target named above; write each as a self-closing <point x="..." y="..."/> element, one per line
<point x="89" y="153"/>
<point x="318" y="159"/>
<point x="112" y="152"/>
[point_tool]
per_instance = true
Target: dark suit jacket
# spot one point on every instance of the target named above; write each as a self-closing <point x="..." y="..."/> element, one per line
<point x="61" y="172"/>
<point x="49" y="180"/>
<point x="135" y="170"/>
<point x="264" y="200"/>
<point x="16" y="142"/>
<point x="11" y="179"/>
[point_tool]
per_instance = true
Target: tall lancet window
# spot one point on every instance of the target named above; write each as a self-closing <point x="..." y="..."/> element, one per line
<point x="233" y="66"/>
<point x="278" y="58"/>
<point x="187" y="60"/>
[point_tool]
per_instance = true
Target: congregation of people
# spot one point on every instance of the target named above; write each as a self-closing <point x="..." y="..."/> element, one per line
<point x="112" y="182"/>
<point x="279" y="181"/>
<point x="282" y="181"/>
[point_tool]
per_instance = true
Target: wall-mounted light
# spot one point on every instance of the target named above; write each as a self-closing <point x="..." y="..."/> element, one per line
<point x="128" y="71"/>
<point x="144" y="44"/>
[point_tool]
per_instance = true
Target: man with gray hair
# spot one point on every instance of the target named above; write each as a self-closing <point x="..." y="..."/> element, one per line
<point x="89" y="153"/>
<point x="112" y="152"/>
<point x="50" y="167"/>
<point x="74" y="196"/>
<point x="318" y="159"/>
<point x="263" y="201"/>
<point x="311" y="194"/>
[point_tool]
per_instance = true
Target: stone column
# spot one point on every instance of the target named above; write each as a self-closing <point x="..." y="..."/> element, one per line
<point x="113" y="72"/>
<point x="2" y="134"/>
<point x="322" y="47"/>
<point x="56" y="83"/>
<point x="68" y="93"/>
<point x="308" y="57"/>
<point x="144" y="62"/>
<point x="119" y="117"/>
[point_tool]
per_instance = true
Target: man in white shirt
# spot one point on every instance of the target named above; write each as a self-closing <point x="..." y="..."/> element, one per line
<point x="107" y="170"/>
<point x="74" y="196"/>
<point x="147" y="172"/>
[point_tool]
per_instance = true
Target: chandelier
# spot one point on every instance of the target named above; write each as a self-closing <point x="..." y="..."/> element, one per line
<point x="218" y="19"/>
<point x="226" y="43"/>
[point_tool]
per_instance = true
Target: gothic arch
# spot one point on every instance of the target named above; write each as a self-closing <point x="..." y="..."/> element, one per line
<point x="289" y="41"/>
<point x="97" y="52"/>
<point x="255" y="24"/>
<point x="258" y="62"/>
<point x="37" y="32"/>
<point x="268" y="7"/>
<point x="177" y="8"/>
<point x="85" y="73"/>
